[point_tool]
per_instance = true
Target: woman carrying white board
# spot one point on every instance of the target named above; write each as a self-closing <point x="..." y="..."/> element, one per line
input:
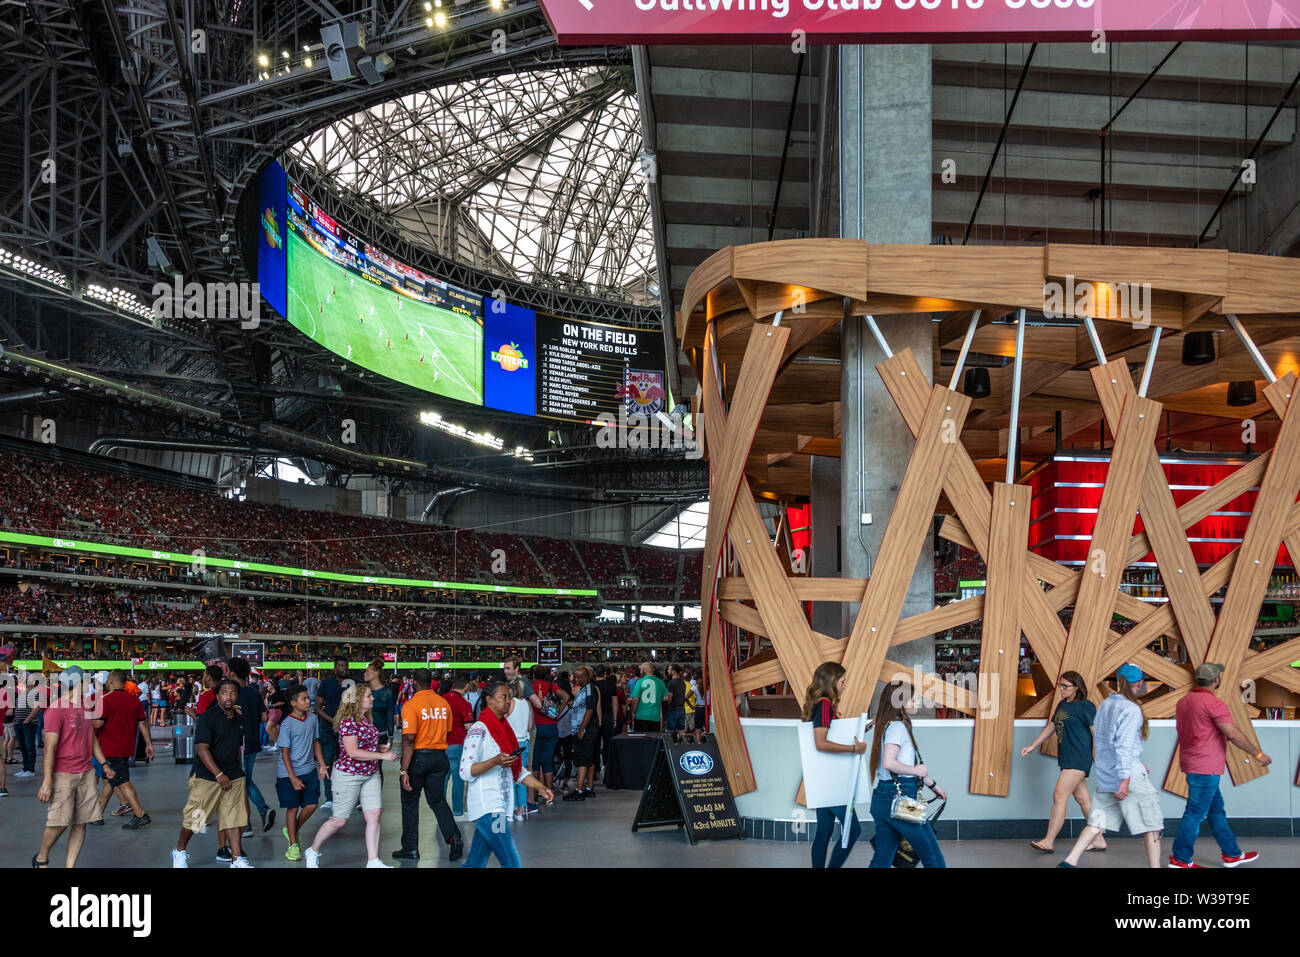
<point x="819" y="708"/>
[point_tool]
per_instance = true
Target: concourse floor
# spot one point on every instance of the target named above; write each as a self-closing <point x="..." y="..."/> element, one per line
<point x="582" y="834"/>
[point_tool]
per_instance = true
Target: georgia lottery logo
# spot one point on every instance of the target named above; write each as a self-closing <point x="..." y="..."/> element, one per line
<point x="643" y="392"/>
<point x="696" y="762"/>
<point x="271" y="229"/>
<point x="509" y="357"/>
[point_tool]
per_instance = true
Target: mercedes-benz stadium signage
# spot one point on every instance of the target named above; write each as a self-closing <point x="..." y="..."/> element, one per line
<point x="622" y="22"/>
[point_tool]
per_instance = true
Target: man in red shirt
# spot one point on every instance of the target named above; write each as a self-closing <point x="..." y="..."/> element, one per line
<point x="68" y="786"/>
<point x="1205" y="727"/>
<point x="122" y="717"/>
<point x="212" y="675"/>
<point x="462" y="716"/>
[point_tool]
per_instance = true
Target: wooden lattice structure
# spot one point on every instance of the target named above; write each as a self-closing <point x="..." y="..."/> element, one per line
<point x="749" y="311"/>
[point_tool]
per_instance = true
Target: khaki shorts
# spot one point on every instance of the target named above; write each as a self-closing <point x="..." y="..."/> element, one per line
<point x="75" y="800"/>
<point x="207" y="798"/>
<point x="1140" y="810"/>
<point x="690" y="720"/>
<point x="352" y="789"/>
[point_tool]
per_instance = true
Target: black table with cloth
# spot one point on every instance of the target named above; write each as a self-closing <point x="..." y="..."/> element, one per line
<point x="628" y="763"/>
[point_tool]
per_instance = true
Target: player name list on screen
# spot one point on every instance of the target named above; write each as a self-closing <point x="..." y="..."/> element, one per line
<point x="582" y="366"/>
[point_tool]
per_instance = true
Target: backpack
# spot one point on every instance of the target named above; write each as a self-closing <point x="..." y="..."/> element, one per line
<point x="551" y="702"/>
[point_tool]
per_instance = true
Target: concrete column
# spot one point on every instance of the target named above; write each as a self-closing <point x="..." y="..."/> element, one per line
<point x="885" y="166"/>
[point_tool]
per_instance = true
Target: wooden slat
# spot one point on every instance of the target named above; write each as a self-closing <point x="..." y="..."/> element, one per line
<point x="1200" y="271"/>
<point x="1173" y="552"/>
<point x="805" y="589"/>
<point x="1000" y="640"/>
<point x="1254" y="567"/>
<point x="972" y="501"/>
<point x="839" y="265"/>
<point x="1261" y="663"/>
<point x="1100" y="577"/>
<point x="712" y="272"/>
<point x="729" y="439"/>
<point x="909" y="524"/>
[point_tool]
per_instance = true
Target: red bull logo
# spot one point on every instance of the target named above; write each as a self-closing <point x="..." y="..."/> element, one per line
<point x="643" y="392"/>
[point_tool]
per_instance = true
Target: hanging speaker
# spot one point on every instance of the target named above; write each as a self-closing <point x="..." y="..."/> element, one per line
<point x="977" y="384"/>
<point x="1242" y="393"/>
<point x="1198" y="348"/>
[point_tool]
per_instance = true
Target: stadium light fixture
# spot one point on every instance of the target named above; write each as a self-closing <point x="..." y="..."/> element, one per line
<point x="307" y="62"/>
<point x="263" y="60"/>
<point x="440" y="19"/>
<point x="428" y="22"/>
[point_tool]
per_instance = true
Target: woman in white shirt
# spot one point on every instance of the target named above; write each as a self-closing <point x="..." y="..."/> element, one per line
<point x="490" y="765"/>
<point x="896" y="768"/>
<point x="521" y="719"/>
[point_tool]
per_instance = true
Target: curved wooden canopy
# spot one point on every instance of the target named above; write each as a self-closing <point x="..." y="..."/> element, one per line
<point x="757" y="391"/>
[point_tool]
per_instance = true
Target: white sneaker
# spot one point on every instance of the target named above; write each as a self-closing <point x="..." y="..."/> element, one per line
<point x="376" y="863"/>
<point x="25" y="774"/>
<point x="240" y="862"/>
<point x="326" y="807"/>
<point x="312" y="857"/>
<point x="269" y="748"/>
<point x="248" y="832"/>
<point x="180" y="858"/>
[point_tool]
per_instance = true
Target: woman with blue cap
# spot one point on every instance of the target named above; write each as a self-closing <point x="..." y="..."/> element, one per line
<point x="1124" y="789"/>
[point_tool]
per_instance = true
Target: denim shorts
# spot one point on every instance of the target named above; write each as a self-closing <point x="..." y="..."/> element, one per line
<point x="309" y="795"/>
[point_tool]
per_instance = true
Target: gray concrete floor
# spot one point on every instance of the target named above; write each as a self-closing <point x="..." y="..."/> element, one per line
<point x="583" y="834"/>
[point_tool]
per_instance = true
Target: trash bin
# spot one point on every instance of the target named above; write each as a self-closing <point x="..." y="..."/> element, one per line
<point x="183" y="738"/>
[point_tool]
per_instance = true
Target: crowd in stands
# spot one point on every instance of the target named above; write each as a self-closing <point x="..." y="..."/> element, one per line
<point x="39" y="497"/>
<point x="101" y="608"/>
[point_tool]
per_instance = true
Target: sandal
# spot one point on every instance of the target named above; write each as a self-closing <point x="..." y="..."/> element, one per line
<point x="1039" y="847"/>
<point x="1104" y="847"/>
<point x="38" y="863"/>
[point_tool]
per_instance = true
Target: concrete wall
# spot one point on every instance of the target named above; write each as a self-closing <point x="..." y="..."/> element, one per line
<point x="946" y="746"/>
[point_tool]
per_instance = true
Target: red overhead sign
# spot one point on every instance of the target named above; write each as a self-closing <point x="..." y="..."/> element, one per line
<point x="625" y="22"/>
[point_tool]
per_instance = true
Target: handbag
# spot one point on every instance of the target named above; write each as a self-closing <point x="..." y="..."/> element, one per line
<point x="915" y="811"/>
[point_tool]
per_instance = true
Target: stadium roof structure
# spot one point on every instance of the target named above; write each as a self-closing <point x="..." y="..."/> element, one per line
<point x="533" y="175"/>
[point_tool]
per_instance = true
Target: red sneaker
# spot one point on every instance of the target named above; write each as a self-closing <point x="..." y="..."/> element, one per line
<point x="1175" y="862"/>
<point x="1246" y="857"/>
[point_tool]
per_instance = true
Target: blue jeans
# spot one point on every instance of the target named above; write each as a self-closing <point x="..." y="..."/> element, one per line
<point x="674" y="720"/>
<point x="254" y="795"/>
<point x="890" y="832"/>
<point x="27" y="742"/>
<point x="548" y="736"/>
<point x="826" y="818"/>
<point x="457" y="785"/>
<point x="521" y="792"/>
<point x="1204" y="801"/>
<point x="492" y="836"/>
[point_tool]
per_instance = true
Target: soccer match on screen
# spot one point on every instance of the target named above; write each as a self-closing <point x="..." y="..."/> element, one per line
<point x="379" y="313"/>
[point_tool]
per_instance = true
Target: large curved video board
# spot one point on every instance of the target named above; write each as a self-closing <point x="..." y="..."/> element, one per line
<point x="394" y="320"/>
<point x="378" y="313"/>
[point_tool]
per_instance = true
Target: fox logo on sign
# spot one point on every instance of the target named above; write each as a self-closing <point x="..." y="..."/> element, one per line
<point x="696" y="762"/>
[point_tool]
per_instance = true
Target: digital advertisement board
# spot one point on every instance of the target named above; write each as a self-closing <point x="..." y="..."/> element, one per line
<point x="585" y="369"/>
<point x="509" y="357"/>
<point x="379" y="313"/>
<point x="271" y="255"/>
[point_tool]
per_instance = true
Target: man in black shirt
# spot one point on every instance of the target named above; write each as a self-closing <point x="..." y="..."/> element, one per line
<point x="329" y="693"/>
<point x="675" y="701"/>
<point x="216" y="782"/>
<point x="608" y="689"/>
<point x="252" y="710"/>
